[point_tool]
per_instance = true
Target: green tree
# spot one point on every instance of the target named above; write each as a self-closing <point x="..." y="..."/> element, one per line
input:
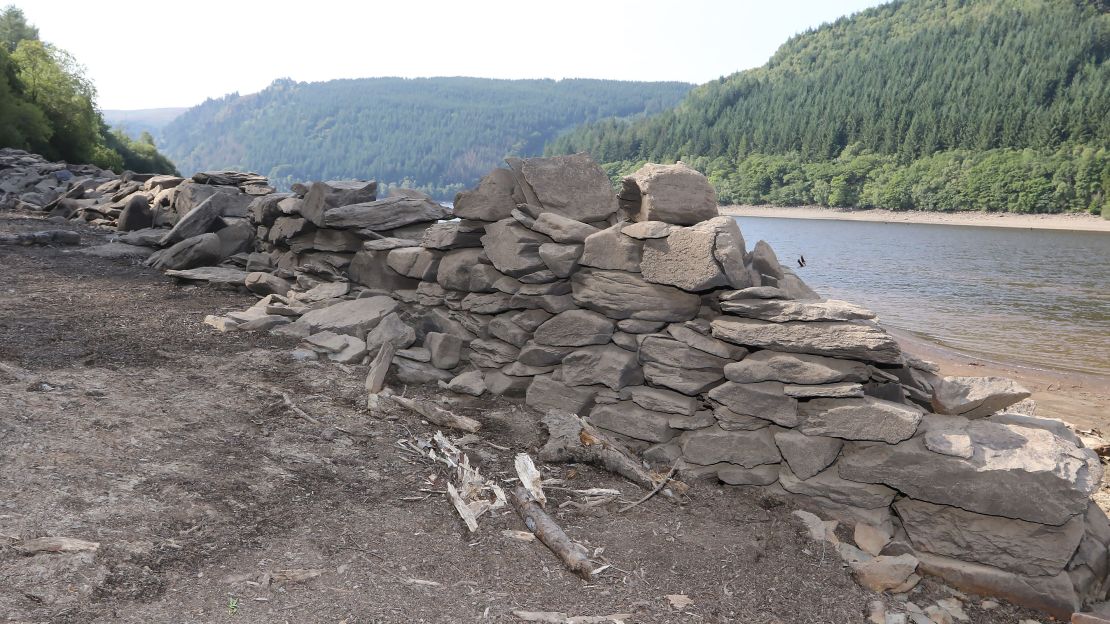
<point x="54" y="81"/>
<point x="14" y="28"/>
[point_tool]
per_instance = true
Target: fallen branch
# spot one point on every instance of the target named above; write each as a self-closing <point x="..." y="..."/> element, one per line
<point x="573" y="439"/>
<point x="437" y="415"/>
<point x="530" y="477"/>
<point x="573" y="554"/>
<point x="662" y="483"/>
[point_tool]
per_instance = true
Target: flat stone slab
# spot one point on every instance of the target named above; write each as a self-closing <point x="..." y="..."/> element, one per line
<point x="829" y="484"/>
<point x="781" y="311"/>
<point x="620" y="295"/>
<point x="354" y="318"/>
<point x="214" y="275"/>
<point x="849" y="340"/>
<point x="795" y="368"/>
<point x="759" y="400"/>
<point x="385" y="214"/>
<point x="867" y="418"/>
<point x="627" y="418"/>
<point x="976" y="397"/>
<point x="713" y="445"/>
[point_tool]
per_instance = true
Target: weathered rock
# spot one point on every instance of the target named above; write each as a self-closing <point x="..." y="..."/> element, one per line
<point x="118" y="250"/>
<point x="562" y="229"/>
<point x="450" y="236"/>
<point x="325" y="291"/>
<point x="828" y="484"/>
<point x="705" y="343"/>
<point x="738" y="475"/>
<point x="354" y="318"/>
<point x="745" y="448"/>
<point x="500" y="384"/>
<point x="534" y="354"/>
<point x="503" y="328"/>
<point x="455" y="268"/>
<point x="385" y="214"/>
<point x="781" y="311"/>
<point x="486" y="303"/>
<point x="698" y="420"/>
<point x="287" y="228"/>
<point x="512" y="248"/>
<point x="391" y="329"/>
<point x="261" y="283"/>
<point x="342" y="241"/>
<point x="216" y="276"/>
<point x="492" y="353"/>
<point x="1015" y="545"/>
<point x="418" y="354"/>
<point x="237" y="236"/>
<point x="627" y="418"/>
<point x="839" y="390"/>
<point x="491" y="201"/>
<point x="949" y="443"/>
<point x="637" y="326"/>
<point x="795" y="288"/>
<point x="752" y="292"/>
<point x="670" y="352"/>
<point x="546" y="394"/>
<point x="561" y="260"/>
<point x="760" y="400"/>
<point x="571" y="186"/>
<point x="352" y="352"/>
<point x="609" y="249"/>
<point x="669" y="193"/>
<point x="414" y="372"/>
<point x="883" y="573"/>
<point x="976" y="397"/>
<point x="795" y="369"/>
<point x="685" y="380"/>
<point x="731" y="421"/>
<point x="371" y="269"/>
<point x="136" y="214"/>
<point x="325" y="196"/>
<point x="202" y="250"/>
<point x="197" y="221"/>
<point x="1016" y="472"/>
<point x="660" y="400"/>
<point x="1054" y="595"/>
<point x="765" y="262"/>
<point x="1058" y="427"/>
<point x="415" y="262"/>
<point x="470" y="382"/>
<point x="445" y="349"/>
<point x="530" y="320"/>
<point x="575" y="328"/>
<point x="807" y="455"/>
<point x="870" y="539"/>
<point x="859" y="419"/>
<point x="621" y="295"/>
<point x="608" y="365"/>
<point x="849" y="340"/>
<point x="696" y="258"/>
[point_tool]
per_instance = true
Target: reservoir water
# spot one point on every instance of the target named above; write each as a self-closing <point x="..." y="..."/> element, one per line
<point x="1040" y="298"/>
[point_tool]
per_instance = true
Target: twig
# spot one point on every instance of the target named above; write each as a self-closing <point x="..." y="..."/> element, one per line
<point x="662" y="483"/>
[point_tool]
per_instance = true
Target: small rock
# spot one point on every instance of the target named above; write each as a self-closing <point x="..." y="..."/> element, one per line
<point x="884" y="573"/>
<point x="870" y="539"/>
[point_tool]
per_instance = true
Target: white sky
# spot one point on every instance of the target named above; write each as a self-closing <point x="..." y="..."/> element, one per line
<point x="152" y="53"/>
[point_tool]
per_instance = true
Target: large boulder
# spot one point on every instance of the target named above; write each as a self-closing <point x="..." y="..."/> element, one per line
<point x="609" y="249"/>
<point x="513" y="249"/>
<point x="608" y="365"/>
<point x="562" y="229"/>
<point x="795" y="368"/>
<point x="491" y="201"/>
<point x="758" y="400"/>
<point x="1016" y="472"/>
<point x="201" y="250"/>
<point x="575" y="328"/>
<point x="807" y="455"/>
<point x="629" y="419"/>
<point x="670" y="193"/>
<point x="136" y="215"/>
<point x="324" y="196"/>
<point x="385" y="214"/>
<point x="621" y="295"/>
<point x="197" y="221"/>
<point x="572" y="186"/>
<point x="865" y="418"/>
<point x="840" y="339"/>
<point x="355" y="317"/>
<point x="976" y="397"/>
<point x="705" y="256"/>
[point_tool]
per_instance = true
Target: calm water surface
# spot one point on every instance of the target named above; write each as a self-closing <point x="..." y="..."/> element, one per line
<point x="1034" y="297"/>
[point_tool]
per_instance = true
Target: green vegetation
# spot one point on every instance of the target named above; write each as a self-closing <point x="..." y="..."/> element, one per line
<point x="1000" y="105"/>
<point x="48" y="106"/>
<point x="439" y="135"/>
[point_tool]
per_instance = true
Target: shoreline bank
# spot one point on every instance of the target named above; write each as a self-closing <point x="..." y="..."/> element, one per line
<point x="1079" y="399"/>
<point x="1072" y="221"/>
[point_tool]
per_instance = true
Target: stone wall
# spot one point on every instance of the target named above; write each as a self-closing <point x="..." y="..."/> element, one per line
<point x="647" y="313"/>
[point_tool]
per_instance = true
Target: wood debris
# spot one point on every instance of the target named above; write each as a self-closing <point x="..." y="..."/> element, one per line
<point x="297" y="575"/>
<point x="574" y="555"/>
<point x="679" y="601"/>
<point x="471" y="492"/>
<point x="530" y="478"/>
<point x="437" y="415"/>
<point x="57" y="545"/>
<point x="557" y="617"/>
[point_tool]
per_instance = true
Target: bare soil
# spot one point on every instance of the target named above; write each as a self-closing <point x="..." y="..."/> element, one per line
<point x="125" y="421"/>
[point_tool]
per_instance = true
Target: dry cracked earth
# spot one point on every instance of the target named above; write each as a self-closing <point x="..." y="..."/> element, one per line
<point x="127" y="422"/>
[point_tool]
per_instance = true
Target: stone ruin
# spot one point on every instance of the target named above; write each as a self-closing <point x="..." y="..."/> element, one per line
<point x="645" y="312"/>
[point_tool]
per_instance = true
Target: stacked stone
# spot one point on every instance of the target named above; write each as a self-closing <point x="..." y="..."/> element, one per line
<point x="30" y="182"/>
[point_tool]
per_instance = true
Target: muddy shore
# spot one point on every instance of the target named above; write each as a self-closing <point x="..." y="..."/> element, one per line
<point x="1081" y="222"/>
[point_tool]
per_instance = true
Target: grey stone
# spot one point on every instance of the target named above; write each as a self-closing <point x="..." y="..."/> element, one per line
<point x="455" y="268"/>
<point x="450" y="236"/>
<point x="516" y="369"/>
<point x="387" y="243"/>
<point x="523" y="218"/>
<point x="976" y="397"/>
<point x="445" y="349"/>
<point x="562" y="229"/>
<point x="760" y="400"/>
<point x="1054" y="595"/>
<point x="1058" y="427"/>
<point x="503" y="328"/>
<point x="660" y="400"/>
<point x="780" y="311"/>
<point x="391" y="329"/>
<point x="352" y="352"/>
<point x="849" y="340"/>
<point x="325" y="196"/>
<point x="202" y="250"/>
<point x="287" y="228"/>
<point x="500" y="384"/>
<point x="492" y="353"/>
<point x="197" y="221"/>
<point x="415" y="262"/>
<point x="620" y="295"/>
<point x="216" y="276"/>
<point x="687" y="258"/>
<point x="370" y="269"/>
<point x="608" y="365"/>
<point x="795" y="369"/>
<point x="753" y="292"/>
<point x="630" y="342"/>
<point x="859" y="419"/>
<point x="645" y="230"/>
<point x="807" y="455"/>
<point x="547" y="394"/>
<point x="829" y="484"/>
<point x="342" y="241"/>
<point x="354" y="318"/>
<point x="118" y="250"/>
<point x="575" y="328"/>
<point x="670" y="193"/>
<point x="413" y="372"/>
<point x="744" y="448"/>
<point x="670" y="352"/>
<point x="530" y="320"/>
<point x="738" y="475"/>
<point x="261" y="283"/>
<point x="698" y="420"/>
<point x="627" y="418"/>
<point x="609" y="249"/>
<point x="731" y="421"/>
<point x="705" y="343"/>
<point x="136" y="215"/>
<point x="765" y="261"/>
<point x="492" y="200"/>
<point x="385" y="214"/>
<point x="1016" y="545"/>
<point x="685" y="380"/>
<point x="571" y="186"/>
<point x="637" y="326"/>
<point x="534" y="354"/>
<point x="235" y="237"/>
<point x="949" y="443"/>
<point x="513" y="249"/>
<point x="487" y="303"/>
<point x="146" y="237"/>
<point x="325" y="291"/>
<point x="470" y="382"/>
<point x="1016" y="472"/>
<point x="418" y="354"/>
<point x="561" y="260"/>
<point x="838" y="390"/>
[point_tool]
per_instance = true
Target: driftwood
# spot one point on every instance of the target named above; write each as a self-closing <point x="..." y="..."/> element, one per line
<point x="573" y="554"/>
<point x="530" y="477"/>
<point x="471" y="496"/>
<point x="573" y="439"/>
<point x="437" y="415"/>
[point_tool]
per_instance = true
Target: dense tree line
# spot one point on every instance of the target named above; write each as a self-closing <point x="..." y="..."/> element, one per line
<point x="436" y="134"/>
<point x="908" y="94"/>
<point x="48" y="106"/>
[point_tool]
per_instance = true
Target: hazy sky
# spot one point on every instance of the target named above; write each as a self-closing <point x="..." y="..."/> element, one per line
<point x="151" y="53"/>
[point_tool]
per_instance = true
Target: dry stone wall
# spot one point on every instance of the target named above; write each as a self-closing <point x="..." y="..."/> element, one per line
<point x="648" y="314"/>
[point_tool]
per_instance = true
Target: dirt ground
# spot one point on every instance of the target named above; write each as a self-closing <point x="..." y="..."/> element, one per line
<point x="125" y="421"/>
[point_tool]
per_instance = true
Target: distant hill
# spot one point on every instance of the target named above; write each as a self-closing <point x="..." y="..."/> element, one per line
<point x="136" y="122"/>
<point x="938" y="104"/>
<point x="437" y="134"/>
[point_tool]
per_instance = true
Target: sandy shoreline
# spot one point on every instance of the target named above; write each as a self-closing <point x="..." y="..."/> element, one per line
<point x="1081" y="222"/>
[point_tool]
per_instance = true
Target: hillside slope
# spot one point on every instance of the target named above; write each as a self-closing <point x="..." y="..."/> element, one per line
<point x="907" y="80"/>
<point x="438" y="134"/>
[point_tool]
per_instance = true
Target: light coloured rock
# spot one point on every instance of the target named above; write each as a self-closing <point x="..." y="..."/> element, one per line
<point x="608" y="365"/>
<point x="760" y="400"/>
<point x="355" y="317"/>
<point x="1058" y="427"/>
<point x="1016" y="545"/>
<point x="609" y="249"/>
<point x="685" y="380"/>
<point x="352" y="352"/>
<point x="575" y="328"/>
<point x="839" y="390"/>
<point x="859" y="419"/>
<point x="884" y="573"/>
<point x="807" y="455"/>
<point x="648" y="229"/>
<point x="949" y="443"/>
<point x="629" y="419"/>
<point x="261" y="283"/>
<point x="849" y="340"/>
<point x="492" y="353"/>
<point x="450" y="235"/>
<point x="673" y="194"/>
<point x="470" y="382"/>
<point x="781" y="311"/>
<point x="705" y="343"/>
<point x="765" y="262"/>
<point x="445" y="349"/>
<point x="418" y="354"/>
<point x="660" y="400"/>
<point x="753" y="292"/>
<point x="487" y="303"/>
<point x="668" y="352"/>
<point x="415" y="262"/>
<point x="500" y="384"/>
<point x="561" y="260"/>
<point x="684" y="259"/>
<point x="327" y="342"/>
<point x="571" y="186"/>
<point x="221" y="323"/>
<point x="819" y="530"/>
<point x="534" y="354"/>
<point x="384" y="214"/>
<point x="870" y="539"/>
<point x="795" y="368"/>
<point x="324" y="196"/>
<point x="976" y="397"/>
<point x="731" y="421"/>
<point x="492" y="200"/>
<point x="744" y="448"/>
<point x="393" y="330"/>
<point x="512" y="248"/>
<point x="1016" y="472"/>
<point x="325" y="291"/>
<point x="828" y="484"/>
<point x="620" y="295"/>
<point x="562" y="229"/>
<point x="636" y="326"/>
<point x="216" y="276"/>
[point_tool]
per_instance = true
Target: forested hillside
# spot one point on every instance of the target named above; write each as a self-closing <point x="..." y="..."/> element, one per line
<point x="931" y="104"/>
<point x="437" y="134"/>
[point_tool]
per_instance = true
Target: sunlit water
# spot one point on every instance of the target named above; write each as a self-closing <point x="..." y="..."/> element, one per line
<point x="1033" y="297"/>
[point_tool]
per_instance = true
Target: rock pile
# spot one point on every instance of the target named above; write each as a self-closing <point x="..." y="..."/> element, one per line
<point x="647" y="313"/>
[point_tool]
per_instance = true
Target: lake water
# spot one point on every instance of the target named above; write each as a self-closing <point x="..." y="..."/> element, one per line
<point x="1035" y="297"/>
